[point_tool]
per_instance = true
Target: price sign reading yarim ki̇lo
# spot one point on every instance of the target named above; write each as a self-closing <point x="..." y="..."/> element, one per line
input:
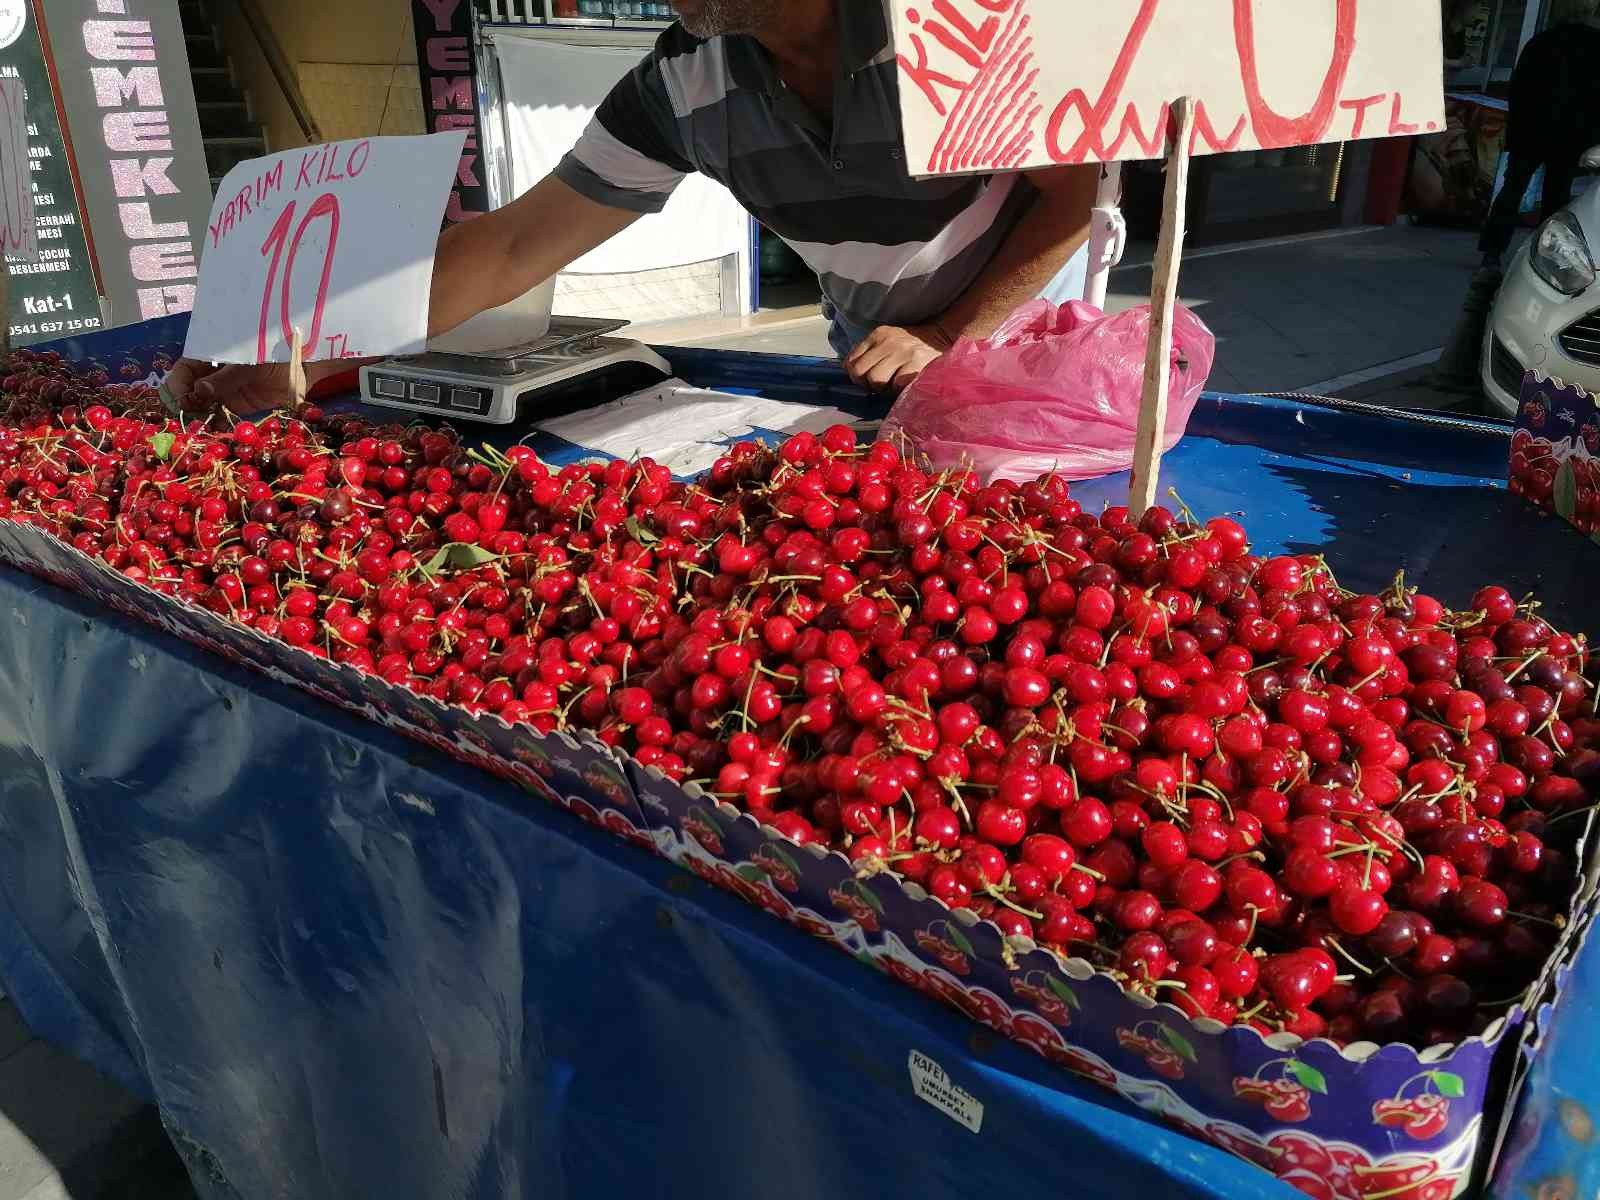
<point x="1019" y="84"/>
<point x="334" y="242"/>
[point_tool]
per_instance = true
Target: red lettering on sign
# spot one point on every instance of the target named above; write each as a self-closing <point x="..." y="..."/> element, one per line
<point x="971" y="50"/>
<point x="1359" y="107"/>
<point x="1017" y="108"/>
<point x="992" y="99"/>
<point x="325" y="205"/>
<point x="927" y="79"/>
<point x="456" y="212"/>
<point x="271" y="181"/>
<point x="1397" y="127"/>
<point x="975" y="71"/>
<point x="1272" y="129"/>
<point x="1205" y="131"/>
<point x="1099" y="116"/>
<point x="443" y="11"/>
<point x="1131" y="127"/>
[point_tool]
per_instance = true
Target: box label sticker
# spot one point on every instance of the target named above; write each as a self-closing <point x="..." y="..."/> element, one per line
<point x="930" y="1083"/>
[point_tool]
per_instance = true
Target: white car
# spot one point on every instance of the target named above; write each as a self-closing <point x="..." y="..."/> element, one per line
<point x="1547" y="315"/>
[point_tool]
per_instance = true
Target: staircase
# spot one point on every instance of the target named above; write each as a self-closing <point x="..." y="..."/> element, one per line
<point x="230" y="133"/>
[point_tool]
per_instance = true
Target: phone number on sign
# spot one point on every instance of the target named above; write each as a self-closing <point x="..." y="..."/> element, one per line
<point x="74" y="326"/>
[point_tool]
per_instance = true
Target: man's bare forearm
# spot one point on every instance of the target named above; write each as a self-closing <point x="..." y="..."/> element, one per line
<point x="493" y="259"/>
<point x="1048" y="234"/>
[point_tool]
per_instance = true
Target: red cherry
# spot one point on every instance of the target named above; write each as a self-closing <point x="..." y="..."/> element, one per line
<point x="1355" y="909"/>
<point x="1236" y="973"/>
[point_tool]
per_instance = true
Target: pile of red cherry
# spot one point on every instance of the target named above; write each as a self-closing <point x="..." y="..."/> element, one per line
<point x="1229" y="781"/>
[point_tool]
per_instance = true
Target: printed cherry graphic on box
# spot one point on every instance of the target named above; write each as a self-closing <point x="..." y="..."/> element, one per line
<point x="607" y="782"/>
<point x="902" y="972"/>
<point x="782" y="871"/>
<point x="704" y="828"/>
<point x="533" y="756"/>
<point x="1288" y="1097"/>
<point x="613" y="821"/>
<point x="1552" y="452"/>
<point x="952" y="948"/>
<point x="1340" y="1171"/>
<point x="816" y="926"/>
<point x="1052" y="999"/>
<point x="1424" y="1115"/>
<point x="1165" y="1052"/>
<point x="857" y="899"/>
<point x="585" y="811"/>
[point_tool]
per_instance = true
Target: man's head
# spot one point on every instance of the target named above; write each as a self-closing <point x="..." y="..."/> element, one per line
<point x="712" y="18"/>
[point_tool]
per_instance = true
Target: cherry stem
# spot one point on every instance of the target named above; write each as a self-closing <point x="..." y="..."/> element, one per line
<point x="1558" y="923"/>
<point x="1271" y="1063"/>
<point x="1428" y="1075"/>
<point x="1347" y="956"/>
<point x="995" y="893"/>
<point x="1394" y="1191"/>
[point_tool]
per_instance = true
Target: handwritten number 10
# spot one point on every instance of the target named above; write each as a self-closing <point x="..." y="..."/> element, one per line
<point x="325" y="205"/>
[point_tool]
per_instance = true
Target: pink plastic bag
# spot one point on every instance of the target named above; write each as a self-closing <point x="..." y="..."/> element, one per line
<point x="1055" y="389"/>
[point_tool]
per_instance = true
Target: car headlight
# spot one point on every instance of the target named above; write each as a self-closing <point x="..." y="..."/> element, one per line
<point x="1561" y="257"/>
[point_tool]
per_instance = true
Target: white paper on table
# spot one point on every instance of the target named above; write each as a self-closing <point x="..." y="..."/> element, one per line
<point x="684" y="428"/>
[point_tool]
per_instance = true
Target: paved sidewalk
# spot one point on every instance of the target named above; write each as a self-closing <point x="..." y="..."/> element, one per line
<point x="1324" y="313"/>
<point x="68" y="1133"/>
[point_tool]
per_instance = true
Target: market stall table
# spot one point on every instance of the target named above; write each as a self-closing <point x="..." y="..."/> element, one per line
<point x="344" y="965"/>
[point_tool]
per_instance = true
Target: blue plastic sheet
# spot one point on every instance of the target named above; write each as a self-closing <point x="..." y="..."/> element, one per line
<point x="345" y="966"/>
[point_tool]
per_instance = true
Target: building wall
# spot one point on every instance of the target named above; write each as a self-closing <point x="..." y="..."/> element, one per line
<point x="355" y="62"/>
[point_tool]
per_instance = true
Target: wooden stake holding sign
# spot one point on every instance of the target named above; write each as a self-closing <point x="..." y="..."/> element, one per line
<point x="1152" y="435"/>
<point x="297" y="367"/>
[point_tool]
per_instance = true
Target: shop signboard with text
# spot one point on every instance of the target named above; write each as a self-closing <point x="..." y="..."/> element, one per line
<point x="450" y="96"/>
<point x="123" y="73"/>
<point x="57" y="294"/>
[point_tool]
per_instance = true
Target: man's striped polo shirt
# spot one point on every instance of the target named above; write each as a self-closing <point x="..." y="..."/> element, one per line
<point x="888" y="249"/>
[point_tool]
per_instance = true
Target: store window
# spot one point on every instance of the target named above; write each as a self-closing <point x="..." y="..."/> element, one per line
<point x="1482" y="38"/>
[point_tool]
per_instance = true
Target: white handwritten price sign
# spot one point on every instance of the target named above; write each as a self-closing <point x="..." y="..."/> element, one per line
<point x="19" y="235"/>
<point x="1016" y="84"/>
<point x="334" y="242"/>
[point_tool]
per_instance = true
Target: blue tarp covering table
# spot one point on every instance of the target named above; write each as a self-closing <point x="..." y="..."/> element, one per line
<point x="345" y="966"/>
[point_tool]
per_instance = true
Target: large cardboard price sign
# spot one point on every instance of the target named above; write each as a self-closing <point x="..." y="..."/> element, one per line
<point x="1016" y="84"/>
<point x="333" y="244"/>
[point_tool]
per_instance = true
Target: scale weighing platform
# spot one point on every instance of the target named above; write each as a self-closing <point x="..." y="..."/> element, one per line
<point x="491" y="386"/>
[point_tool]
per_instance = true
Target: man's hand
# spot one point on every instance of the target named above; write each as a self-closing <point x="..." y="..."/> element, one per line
<point x="201" y="387"/>
<point x="891" y="356"/>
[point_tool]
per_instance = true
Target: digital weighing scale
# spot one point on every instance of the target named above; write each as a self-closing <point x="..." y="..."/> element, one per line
<point x="491" y="386"/>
